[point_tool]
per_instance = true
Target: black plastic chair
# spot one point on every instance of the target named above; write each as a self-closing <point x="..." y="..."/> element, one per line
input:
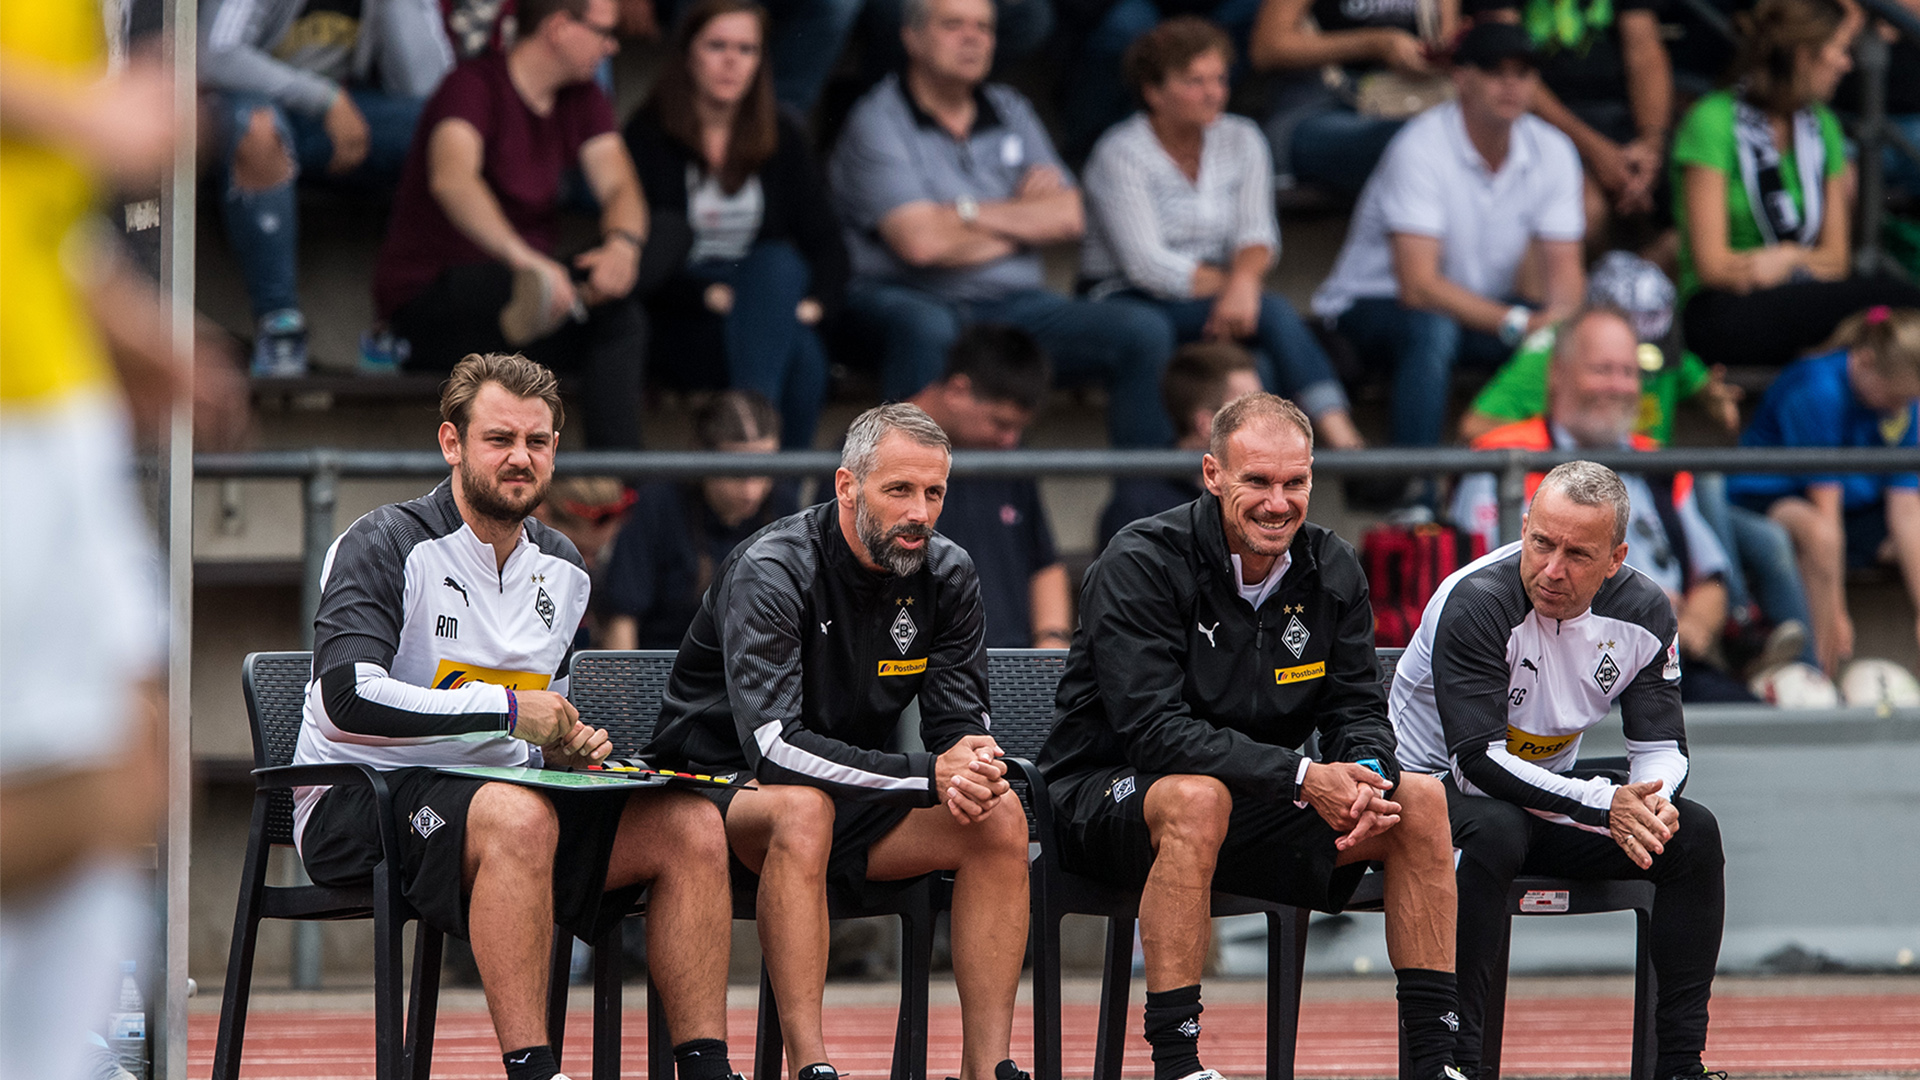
<point x="1021" y="684"/>
<point x="275" y="686"/>
<point x="621" y="692"/>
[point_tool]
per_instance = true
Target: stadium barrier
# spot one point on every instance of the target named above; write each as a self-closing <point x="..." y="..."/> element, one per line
<point x="320" y="470"/>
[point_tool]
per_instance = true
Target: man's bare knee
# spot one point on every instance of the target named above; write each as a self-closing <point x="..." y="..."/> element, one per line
<point x="1189" y="811"/>
<point x="690" y="827"/>
<point x="802" y="823"/>
<point x="512" y="822"/>
<point x="1423" y="809"/>
<point x="1002" y="834"/>
<point x="260" y="159"/>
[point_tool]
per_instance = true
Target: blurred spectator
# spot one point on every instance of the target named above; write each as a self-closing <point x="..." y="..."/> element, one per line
<point x="1201" y="378"/>
<point x="307" y="88"/>
<point x="1593" y="396"/>
<point x="1606" y="81"/>
<point x="588" y="510"/>
<point x="1860" y="393"/>
<point x="478" y="26"/>
<point x="1764" y="200"/>
<point x="678" y="534"/>
<point x="468" y="264"/>
<point x="947" y="186"/>
<point x="1095" y="94"/>
<point x="1468" y="190"/>
<point x="1902" y="102"/>
<point x="995" y="381"/>
<point x="1181" y="219"/>
<point x="1021" y="28"/>
<point x="740" y="221"/>
<point x="1761" y="571"/>
<point x="1622" y="280"/>
<point x="1355" y="73"/>
<point x="804" y="39"/>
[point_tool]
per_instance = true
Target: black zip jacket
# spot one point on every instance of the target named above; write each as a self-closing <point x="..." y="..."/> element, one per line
<point x="1173" y="672"/>
<point x="800" y="661"/>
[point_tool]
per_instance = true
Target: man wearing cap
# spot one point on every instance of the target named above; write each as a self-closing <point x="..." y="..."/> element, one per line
<point x="1464" y="192"/>
<point x="1593" y="397"/>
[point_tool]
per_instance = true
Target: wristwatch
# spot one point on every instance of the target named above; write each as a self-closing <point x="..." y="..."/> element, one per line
<point x="968" y="208"/>
<point x="1514" y="326"/>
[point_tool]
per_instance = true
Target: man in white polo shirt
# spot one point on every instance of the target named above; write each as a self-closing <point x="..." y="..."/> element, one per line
<point x="1428" y="273"/>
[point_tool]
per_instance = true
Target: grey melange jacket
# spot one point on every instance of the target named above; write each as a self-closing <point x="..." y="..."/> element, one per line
<point x="404" y="40"/>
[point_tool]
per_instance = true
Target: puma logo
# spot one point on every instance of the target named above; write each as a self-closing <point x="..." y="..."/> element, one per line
<point x="521" y="1060"/>
<point x="459" y="588"/>
<point x="1528" y="664"/>
<point x="824" y="625"/>
<point x="1208" y="630"/>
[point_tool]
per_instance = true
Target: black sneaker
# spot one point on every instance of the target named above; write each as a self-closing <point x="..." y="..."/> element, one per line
<point x="1701" y="1075"/>
<point x="819" y="1070"/>
<point x="1006" y="1070"/>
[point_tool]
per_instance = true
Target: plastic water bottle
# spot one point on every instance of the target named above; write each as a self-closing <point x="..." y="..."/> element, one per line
<point x="127" y="1026"/>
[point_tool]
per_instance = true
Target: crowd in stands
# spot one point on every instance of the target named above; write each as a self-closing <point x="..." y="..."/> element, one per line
<point x="1495" y="150"/>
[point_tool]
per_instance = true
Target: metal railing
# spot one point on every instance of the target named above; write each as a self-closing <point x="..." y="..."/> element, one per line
<point x="321" y="470"/>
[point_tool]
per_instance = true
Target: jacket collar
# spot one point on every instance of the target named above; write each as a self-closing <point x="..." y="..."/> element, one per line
<point x="1211" y="536"/>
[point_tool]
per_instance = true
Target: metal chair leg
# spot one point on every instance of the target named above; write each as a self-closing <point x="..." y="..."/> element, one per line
<point x="559" y="972"/>
<point x="246" y="934"/>
<point x="1286" y="976"/>
<point x="1494" y="1023"/>
<point x="1116" y="984"/>
<point x="1646" y="995"/>
<point x="389" y="1010"/>
<point x="606" y="1004"/>
<point x="1045" y="931"/>
<point x="767" y="1045"/>
<point x="423" y="1001"/>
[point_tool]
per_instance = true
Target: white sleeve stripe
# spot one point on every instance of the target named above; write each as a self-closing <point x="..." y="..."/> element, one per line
<point x="1595" y="792"/>
<point x="1660" y="759"/>
<point x="793" y="759"/>
<point x="374" y="684"/>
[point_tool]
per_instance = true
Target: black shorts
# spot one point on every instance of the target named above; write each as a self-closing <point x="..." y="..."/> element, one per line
<point x="857" y="826"/>
<point x="1273" y="851"/>
<point x="342" y="846"/>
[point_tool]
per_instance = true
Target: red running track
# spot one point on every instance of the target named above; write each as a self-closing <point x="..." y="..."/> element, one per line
<point x="1549" y="1036"/>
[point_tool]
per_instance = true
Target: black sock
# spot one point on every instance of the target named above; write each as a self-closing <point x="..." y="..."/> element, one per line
<point x="1007" y="1070"/>
<point x="1430" y="1017"/>
<point x="702" y="1059"/>
<point x="1173" y="1030"/>
<point x="1670" y="1065"/>
<point x="530" y="1063"/>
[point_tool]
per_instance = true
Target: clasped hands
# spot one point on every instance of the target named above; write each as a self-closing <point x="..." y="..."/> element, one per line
<point x="971" y="778"/>
<point x="550" y="722"/>
<point x="1352" y="799"/>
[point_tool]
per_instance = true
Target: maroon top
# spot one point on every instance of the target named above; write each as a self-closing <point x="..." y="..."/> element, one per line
<point x="524" y="157"/>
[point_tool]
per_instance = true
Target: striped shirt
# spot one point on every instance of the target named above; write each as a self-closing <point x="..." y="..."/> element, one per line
<point x="1148" y="226"/>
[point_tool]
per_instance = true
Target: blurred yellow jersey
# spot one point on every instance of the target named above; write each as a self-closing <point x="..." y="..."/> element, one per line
<point x="48" y="348"/>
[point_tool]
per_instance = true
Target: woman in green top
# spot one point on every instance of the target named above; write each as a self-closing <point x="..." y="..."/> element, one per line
<point x="1765" y="197"/>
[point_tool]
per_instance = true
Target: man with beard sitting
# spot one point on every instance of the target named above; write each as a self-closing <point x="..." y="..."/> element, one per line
<point x="816" y="634"/>
<point x="443" y="638"/>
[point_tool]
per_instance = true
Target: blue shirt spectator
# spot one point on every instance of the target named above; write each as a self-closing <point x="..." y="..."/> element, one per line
<point x="1813" y="403"/>
<point x="947" y="188"/>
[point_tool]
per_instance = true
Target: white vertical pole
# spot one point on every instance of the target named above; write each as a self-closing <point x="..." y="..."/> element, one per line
<point x="170" y="1049"/>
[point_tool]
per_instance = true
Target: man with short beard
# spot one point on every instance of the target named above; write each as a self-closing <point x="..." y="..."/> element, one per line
<point x="443" y="638"/>
<point x="1214" y="639"/>
<point x="816" y="634"/>
<point x="1593" y="403"/>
